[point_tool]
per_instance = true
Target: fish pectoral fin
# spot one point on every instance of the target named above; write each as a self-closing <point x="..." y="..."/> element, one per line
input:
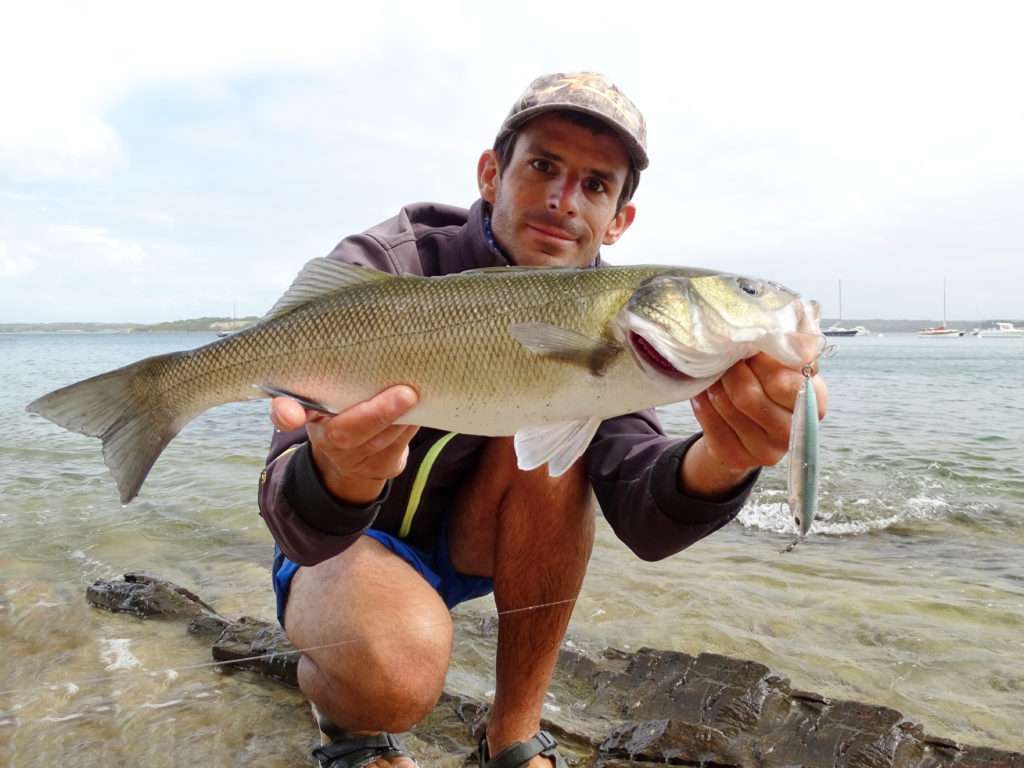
<point x="564" y="344"/>
<point x="558" y="445"/>
<point x="304" y="402"/>
<point x="320" y="277"/>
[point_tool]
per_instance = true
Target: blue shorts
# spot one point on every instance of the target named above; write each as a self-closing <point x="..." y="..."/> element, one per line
<point x="434" y="565"/>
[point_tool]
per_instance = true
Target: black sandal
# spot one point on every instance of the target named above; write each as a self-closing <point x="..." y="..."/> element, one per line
<point x="521" y="752"/>
<point x="341" y="749"/>
<point x="352" y="751"/>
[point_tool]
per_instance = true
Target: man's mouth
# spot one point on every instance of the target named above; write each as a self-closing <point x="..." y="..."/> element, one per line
<point x="554" y="232"/>
<point x="646" y="350"/>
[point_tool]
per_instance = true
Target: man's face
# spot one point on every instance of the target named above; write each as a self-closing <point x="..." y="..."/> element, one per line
<point x="554" y="202"/>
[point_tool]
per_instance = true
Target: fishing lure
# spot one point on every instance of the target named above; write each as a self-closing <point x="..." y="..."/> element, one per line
<point x="803" y="458"/>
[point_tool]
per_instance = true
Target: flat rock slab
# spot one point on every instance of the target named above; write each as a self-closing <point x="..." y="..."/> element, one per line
<point x="649" y="707"/>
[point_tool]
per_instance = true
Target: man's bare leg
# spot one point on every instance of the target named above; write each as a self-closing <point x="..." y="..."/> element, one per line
<point x="388" y="638"/>
<point x="533" y="534"/>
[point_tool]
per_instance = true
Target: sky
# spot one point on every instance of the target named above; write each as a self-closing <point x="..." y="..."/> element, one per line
<point x="166" y="161"/>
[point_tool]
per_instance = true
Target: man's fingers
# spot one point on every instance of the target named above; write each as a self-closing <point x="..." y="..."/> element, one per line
<point x="759" y="444"/>
<point x="395" y="435"/>
<point x="385" y="464"/>
<point x="780" y="383"/>
<point x="355" y="426"/>
<point x="722" y="441"/>
<point x="746" y="392"/>
<point x="821" y="393"/>
<point x="286" y="414"/>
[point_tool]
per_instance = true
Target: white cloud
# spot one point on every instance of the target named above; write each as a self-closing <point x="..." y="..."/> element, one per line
<point x="799" y="140"/>
<point x="64" y="65"/>
<point x="95" y="244"/>
<point x="14" y="266"/>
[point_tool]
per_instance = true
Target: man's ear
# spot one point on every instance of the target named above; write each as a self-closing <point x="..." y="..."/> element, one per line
<point x="619" y="224"/>
<point x="488" y="176"/>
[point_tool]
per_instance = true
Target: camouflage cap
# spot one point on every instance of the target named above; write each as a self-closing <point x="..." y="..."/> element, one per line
<point x="587" y="92"/>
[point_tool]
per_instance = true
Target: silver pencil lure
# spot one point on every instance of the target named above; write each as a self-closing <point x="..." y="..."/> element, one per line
<point x="803" y="458"/>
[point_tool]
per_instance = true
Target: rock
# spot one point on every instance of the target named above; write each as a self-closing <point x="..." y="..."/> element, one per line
<point x="144" y="595"/>
<point x="260" y="646"/>
<point x="208" y="624"/>
<point x="645" y="708"/>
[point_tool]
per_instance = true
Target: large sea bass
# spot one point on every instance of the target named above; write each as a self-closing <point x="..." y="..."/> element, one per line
<point x="544" y="354"/>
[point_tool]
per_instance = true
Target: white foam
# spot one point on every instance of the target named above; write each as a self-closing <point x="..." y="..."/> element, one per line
<point x="163" y="704"/>
<point x="115" y="653"/>
<point x="870" y="515"/>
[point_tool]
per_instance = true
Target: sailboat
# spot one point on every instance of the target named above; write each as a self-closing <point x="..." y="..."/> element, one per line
<point x="941" y="331"/>
<point x="836" y="329"/>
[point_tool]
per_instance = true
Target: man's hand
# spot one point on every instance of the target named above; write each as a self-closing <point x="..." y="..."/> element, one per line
<point x="359" y="449"/>
<point x="746" y="416"/>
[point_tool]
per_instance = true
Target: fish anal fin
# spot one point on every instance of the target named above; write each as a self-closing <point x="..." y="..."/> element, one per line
<point x="311" y="405"/>
<point x="320" y="277"/>
<point x="564" y="344"/>
<point x="557" y="445"/>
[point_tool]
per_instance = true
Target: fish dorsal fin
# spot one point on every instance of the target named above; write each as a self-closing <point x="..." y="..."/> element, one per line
<point x="565" y="344"/>
<point x="320" y="277"/>
<point x="559" y="445"/>
<point x="502" y="270"/>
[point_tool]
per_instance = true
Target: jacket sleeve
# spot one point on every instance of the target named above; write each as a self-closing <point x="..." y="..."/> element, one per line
<point x="309" y="523"/>
<point x="634" y="469"/>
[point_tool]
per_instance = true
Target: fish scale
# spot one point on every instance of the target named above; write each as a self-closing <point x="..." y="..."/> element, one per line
<point x="544" y="354"/>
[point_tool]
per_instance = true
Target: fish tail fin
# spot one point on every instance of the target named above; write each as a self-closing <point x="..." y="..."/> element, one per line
<point x="136" y="411"/>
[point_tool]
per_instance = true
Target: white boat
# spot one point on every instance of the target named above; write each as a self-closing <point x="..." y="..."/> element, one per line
<point x="941" y="331"/>
<point x="836" y="329"/>
<point x="1001" y="331"/>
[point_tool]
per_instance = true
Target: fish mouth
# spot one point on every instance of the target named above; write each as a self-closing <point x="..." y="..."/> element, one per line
<point x="646" y="352"/>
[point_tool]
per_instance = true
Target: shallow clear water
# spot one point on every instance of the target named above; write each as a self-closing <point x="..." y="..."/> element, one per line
<point x="909" y="591"/>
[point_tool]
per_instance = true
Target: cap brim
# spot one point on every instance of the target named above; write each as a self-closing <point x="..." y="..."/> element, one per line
<point x="636" y="151"/>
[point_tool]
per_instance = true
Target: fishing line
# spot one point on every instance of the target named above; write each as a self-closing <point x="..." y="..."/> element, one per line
<point x="274" y="655"/>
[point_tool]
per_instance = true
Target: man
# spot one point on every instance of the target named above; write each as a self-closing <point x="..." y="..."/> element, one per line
<point x="382" y="528"/>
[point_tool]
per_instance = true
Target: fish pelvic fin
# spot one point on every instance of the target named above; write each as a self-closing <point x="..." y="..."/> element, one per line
<point x="320" y="277"/>
<point x="125" y="409"/>
<point x="557" y="445"/>
<point x="567" y="345"/>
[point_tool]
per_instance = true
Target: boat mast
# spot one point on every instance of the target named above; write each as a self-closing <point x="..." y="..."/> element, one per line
<point x="943" y="302"/>
<point x="840" y="303"/>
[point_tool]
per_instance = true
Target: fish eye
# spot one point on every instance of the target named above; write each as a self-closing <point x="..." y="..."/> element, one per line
<point x="750" y="288"/>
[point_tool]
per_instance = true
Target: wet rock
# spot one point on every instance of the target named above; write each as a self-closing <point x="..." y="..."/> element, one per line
<point x="144" y="595"/>
<point x="675" y="741"/>
<point x="207" y="624"/>
<point x="645" y="708"/>
<point x="259" y="646"/>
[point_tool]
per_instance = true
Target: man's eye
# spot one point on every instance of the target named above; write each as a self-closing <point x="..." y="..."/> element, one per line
<point x="541" y="165"/>
<point x="595" y="185"/>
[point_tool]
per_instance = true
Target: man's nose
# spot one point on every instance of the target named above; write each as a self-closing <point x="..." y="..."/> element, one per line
<point x="564" y="196"/>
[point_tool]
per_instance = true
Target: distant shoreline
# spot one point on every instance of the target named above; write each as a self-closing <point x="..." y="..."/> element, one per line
<point x="197" y="325"/>
<point x="218" y="324"/>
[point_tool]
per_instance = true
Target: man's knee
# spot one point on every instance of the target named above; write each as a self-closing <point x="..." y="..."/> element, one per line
<point x="387" y="680"/>
<point x="377" y="637"/>
<point x="404" y="674"/>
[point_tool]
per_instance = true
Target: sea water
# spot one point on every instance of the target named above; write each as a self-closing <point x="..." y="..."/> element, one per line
<point x="908" y="592"/>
